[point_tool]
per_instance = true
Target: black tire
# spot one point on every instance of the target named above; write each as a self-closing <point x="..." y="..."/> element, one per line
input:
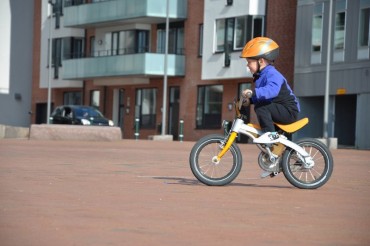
<point x="311" y="178"/>
<point x="208" y="172"/>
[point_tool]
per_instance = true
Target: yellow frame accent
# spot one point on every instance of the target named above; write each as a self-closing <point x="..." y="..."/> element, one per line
<point x="230" y="141"/>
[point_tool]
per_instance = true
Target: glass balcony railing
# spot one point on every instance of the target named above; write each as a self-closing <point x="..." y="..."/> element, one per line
<point x="107" y="12"/>
<point x="142" y="64"/>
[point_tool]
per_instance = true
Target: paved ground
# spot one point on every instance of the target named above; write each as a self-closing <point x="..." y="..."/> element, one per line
<point x="143" y="193"/>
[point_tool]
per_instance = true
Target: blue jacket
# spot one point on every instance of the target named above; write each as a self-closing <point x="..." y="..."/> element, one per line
<point x="271" y="86"/>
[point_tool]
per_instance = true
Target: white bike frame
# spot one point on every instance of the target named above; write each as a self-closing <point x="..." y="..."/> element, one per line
<point x="239" y="127"/>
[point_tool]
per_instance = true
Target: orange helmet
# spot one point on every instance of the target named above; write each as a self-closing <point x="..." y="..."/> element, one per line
<point x="261" y="47"/>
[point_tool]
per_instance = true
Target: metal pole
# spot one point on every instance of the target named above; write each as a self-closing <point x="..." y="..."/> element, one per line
<point x="50" y="63"/>
<point x="137" y="134"/>
<point x="327" y="78"/>
<point x="181" y="135"/>
<point x="164" y="107"/>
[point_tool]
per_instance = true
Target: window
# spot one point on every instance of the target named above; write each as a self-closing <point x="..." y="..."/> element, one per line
<point x="175" y="38"/>
<point x="339" y="30"/>
<point x="209" y="107"/>
<point x="237" y="31"/>
<point x="95" y="98"/>
<point x="364" y="31"/>
<point x="57" y="12"/>
<point x="56" y="56"/>
<point x="146" y="107"/>
<point x="220" y="35"/>
<point x="340" y="20"/>
<point x="57" y="52"/>
<point x="200" y="51"/>
<point x="72" y="47"/>
<point x="72" y="98"/>
<point x="317" y="29"/>
<point x="92" y="46"/>
<point x="129" y="42"/>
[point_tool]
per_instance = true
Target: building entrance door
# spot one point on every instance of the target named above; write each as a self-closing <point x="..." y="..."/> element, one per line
<point x="119" y="108"/>
<point x="345" y="119"/>
<point x="41" y="112"/>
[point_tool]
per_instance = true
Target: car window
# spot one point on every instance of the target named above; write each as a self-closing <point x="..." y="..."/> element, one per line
<point x="57" y="112"/>
<point x="87" y="112"/>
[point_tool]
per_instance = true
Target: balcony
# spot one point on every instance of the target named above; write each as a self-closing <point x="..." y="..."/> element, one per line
<point x="106" y="13"/>
<point x="131" y="65"/>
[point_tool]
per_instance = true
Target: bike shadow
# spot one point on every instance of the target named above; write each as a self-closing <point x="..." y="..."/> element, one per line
<point x="195" y="182"/>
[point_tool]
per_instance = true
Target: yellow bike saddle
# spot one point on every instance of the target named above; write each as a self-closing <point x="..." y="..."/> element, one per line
<point x="289" y="128"/>
<point x="293" y="127"/>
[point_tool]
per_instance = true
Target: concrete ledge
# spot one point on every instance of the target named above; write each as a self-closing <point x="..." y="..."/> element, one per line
<point x="332" y="143"/>
<point x="13" y="132"/>
<point x="161" y="137"/>
<point x="74" y="132"/>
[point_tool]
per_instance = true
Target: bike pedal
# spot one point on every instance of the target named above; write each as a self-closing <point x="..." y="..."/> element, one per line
<point x="274" y="174"/>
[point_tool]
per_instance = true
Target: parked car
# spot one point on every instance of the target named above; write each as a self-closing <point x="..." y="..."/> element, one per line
<point x="79" y="115"/>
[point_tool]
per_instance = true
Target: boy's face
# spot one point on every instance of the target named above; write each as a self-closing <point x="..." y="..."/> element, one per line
<point x="252" y="65"/>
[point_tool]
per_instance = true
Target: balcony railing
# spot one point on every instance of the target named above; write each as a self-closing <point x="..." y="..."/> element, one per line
<point x="139" y="64"/>
<point x="107" y="12"/>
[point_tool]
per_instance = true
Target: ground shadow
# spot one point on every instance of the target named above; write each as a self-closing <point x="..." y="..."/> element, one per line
<point x="195" y="182"/>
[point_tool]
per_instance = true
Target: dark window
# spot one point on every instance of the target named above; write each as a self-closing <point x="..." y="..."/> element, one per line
<point x="92" y="46"/>
<point x="175" y="38"/>
<point x="72" y="98"/>
<point x="130" y="42"/>
<point x="209" y="107"/>
<point x="364" y="27"/>
<point x="200" y="52"/>
<point x="146" y="100"/>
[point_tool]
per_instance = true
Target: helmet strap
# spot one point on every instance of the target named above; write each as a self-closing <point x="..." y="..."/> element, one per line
<point x="256" y="75"/>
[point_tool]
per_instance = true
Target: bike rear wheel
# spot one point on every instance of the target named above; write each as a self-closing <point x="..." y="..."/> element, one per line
<point x="308" y="178"/>
<point x="209" y="172"/>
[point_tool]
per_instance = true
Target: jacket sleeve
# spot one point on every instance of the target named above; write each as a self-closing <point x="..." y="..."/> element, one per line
<point x="270" y="90"/>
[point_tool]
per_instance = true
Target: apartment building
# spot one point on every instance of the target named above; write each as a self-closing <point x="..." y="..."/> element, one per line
<point x="16" y="59"/>
<point x="111" y="54"/>
<point x="349" y="84"/>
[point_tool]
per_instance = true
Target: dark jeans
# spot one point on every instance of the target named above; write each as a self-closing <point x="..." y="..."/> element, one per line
<point x="268" y="113"/>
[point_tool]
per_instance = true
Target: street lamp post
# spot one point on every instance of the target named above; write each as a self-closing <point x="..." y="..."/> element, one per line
<point x="50" y="2"/>
<point x="164" y="107"/>
<point x="327" y="79"/>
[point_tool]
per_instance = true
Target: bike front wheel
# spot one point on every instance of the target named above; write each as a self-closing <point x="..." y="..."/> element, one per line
<point x="313" y="177"/>
<point x="211" y="172"/>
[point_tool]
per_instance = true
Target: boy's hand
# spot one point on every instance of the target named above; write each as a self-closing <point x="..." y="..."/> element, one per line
<point x="247" y="93"/>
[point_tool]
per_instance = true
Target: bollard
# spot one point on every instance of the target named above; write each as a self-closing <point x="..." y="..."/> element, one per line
<point x="137" y="120"/>
<point x="181" y="135"/>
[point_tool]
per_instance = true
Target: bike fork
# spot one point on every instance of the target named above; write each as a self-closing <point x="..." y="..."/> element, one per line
<point x="229" y="142"/>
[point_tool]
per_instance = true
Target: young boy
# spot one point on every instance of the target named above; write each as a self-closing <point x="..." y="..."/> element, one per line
<point x="272" y="97"/>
